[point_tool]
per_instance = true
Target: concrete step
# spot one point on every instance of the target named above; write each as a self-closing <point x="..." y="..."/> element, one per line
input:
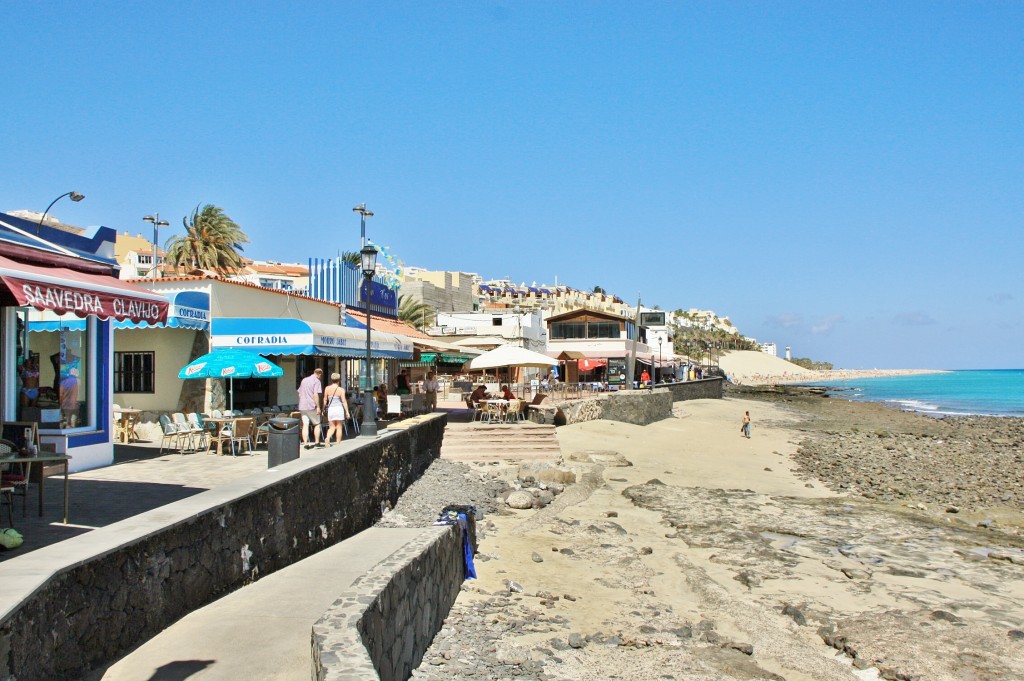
<point x="494" y="441"/>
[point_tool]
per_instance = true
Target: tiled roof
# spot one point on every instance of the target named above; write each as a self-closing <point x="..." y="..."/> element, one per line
<point x="214" y="277"/>
<point x="389" y="325"/>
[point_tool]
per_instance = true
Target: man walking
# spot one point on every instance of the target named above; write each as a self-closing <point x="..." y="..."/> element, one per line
<point x="430" y="387"/>
<point x="745" y="427"/>
<point x="311" y="391"/>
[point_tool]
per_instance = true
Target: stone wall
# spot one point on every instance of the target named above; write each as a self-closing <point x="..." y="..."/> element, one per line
<point x="383" y="625"/>
<point x="639" y="407"/>
<point x="91" y="599"/>
<point x="705" y="389"/>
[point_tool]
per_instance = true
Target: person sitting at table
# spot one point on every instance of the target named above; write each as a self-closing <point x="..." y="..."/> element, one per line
<point x="480" y="393"/>
<point x="507" y="394"/>
<point x="382" y="397"/>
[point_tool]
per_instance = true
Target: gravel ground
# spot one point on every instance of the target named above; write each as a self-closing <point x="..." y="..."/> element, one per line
<point x="444" y="483"/>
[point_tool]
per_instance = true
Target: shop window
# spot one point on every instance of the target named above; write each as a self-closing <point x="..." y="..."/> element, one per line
<point x="566" y="330"/>
<point x="134" y="372"/>
<point x="56" y="385"/>
<point x="602" y="330"/>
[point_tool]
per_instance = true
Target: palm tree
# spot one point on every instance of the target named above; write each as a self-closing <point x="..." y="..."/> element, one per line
<point x="352" y="258"/>
<point x="419" y="314"/>
<point x="212" y="241"/>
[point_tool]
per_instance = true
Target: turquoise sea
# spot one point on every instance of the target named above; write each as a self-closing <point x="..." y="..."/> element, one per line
<point x="993" y="392"/>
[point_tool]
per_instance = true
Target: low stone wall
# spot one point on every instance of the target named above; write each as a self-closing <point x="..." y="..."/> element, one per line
<point x="381" y="627"/>
<point x="74" y="606"/>
<point x="705" y="389"/>
<point x="639" y="407"/>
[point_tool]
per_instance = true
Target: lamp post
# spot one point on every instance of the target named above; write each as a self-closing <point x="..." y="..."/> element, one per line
<point x="157" y="224"/>
<point x="364" y="213"/>
<point x="660" y="339"/>
<point x="368" y="261"/>
<point x="75" y="196"/>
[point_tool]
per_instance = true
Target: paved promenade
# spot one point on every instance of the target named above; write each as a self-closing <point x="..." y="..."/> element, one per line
<point x="261" y="631"/>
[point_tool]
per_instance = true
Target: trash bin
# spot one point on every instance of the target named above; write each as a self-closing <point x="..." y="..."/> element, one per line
<point x="282" y="440"/>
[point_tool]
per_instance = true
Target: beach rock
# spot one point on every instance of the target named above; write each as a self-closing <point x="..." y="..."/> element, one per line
<point x="520" y="499"/>
<point x="541" y="471"/>
<point x="604" y="457"/>
<point x="576" y="641"/>
<point x="795" y="614"/>
<point x="748" y="579"/>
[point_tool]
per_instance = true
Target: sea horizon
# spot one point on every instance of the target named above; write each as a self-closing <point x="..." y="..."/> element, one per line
<point x="949" y="392"/>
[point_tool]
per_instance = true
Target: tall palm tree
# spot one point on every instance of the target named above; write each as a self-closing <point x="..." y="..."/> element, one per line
<point x="352" y="258"/>
<point x="419" y="314"/>
<point x="212" y="241"/>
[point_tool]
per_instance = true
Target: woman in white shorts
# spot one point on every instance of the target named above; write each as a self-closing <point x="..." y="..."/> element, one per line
<point x="337" y="408"/>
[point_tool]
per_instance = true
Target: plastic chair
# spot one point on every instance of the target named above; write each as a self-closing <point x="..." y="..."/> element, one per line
<point x="242" y="434"/>
<point x="198" y="428"/>
<point x="169" y="434"/>
<point x="184" y="428"/>
<point x="394" y="406"/>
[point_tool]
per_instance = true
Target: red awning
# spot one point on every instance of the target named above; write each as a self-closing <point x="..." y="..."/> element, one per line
<point x="63" y="290"/>
<point x="590" y="364"/>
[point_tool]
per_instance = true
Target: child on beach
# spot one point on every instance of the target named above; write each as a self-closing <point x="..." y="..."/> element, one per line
<point x="745" y="428"/>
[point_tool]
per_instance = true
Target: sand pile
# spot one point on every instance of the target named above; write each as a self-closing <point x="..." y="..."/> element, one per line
<point x="749" y="367"/>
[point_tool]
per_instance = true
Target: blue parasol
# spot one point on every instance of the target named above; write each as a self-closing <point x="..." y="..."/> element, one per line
<point x="230" y="364"/>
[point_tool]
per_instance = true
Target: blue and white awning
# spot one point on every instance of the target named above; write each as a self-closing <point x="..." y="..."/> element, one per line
<point x="188" y="310"/>
<point x="296" y="337"/>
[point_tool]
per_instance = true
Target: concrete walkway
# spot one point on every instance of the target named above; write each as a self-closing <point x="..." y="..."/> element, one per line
<point x="261" y="631"/>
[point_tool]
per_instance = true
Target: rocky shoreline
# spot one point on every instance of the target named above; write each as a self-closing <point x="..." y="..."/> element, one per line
<point x="956" y="464"/>
<point x="909" y="568"/>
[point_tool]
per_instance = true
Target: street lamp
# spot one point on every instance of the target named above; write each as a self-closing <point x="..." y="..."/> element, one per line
<point x="75" y="196"/>
<point x="364" y="213"/>
<point x="157" y="224"/>
<point x="660" y="339"/>
<point x="368" y="261"/>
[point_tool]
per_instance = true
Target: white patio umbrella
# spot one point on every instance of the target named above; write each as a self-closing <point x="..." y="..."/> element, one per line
<point x="511" y="356"/>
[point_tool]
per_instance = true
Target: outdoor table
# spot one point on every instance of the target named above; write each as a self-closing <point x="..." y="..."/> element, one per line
<point x="128" y="419"/>
<point x="221" y="422"/>
<point x="501" y="403"/>
<point x="40" y="478"/>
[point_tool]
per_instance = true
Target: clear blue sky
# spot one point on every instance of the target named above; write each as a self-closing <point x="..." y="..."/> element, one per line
<point x="843" y="178"/>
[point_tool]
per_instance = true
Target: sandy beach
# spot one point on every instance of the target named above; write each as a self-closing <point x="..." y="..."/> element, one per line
<point x="686" y="551"/>
<point x="747" y="367"/>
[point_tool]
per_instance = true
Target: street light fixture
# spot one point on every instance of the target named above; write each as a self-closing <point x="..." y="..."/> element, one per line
<point x="75" y="196"/>
<point x="157" y="224"/>
<point x="364" y="213"/>
<point x="660" y="339"/>
<point x="368" y="262"/>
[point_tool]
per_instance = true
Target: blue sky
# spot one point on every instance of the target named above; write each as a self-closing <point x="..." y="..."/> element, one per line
<point x="843" y="178"/>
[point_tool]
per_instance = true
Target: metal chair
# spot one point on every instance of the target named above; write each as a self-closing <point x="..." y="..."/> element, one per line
<point x="10" y="481"/>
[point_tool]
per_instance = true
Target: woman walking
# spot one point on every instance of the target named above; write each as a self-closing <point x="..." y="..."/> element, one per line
<point x="337" y="408"/>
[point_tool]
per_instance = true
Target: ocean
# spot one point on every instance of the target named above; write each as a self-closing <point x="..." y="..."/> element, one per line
<point x="956" y="393"/>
